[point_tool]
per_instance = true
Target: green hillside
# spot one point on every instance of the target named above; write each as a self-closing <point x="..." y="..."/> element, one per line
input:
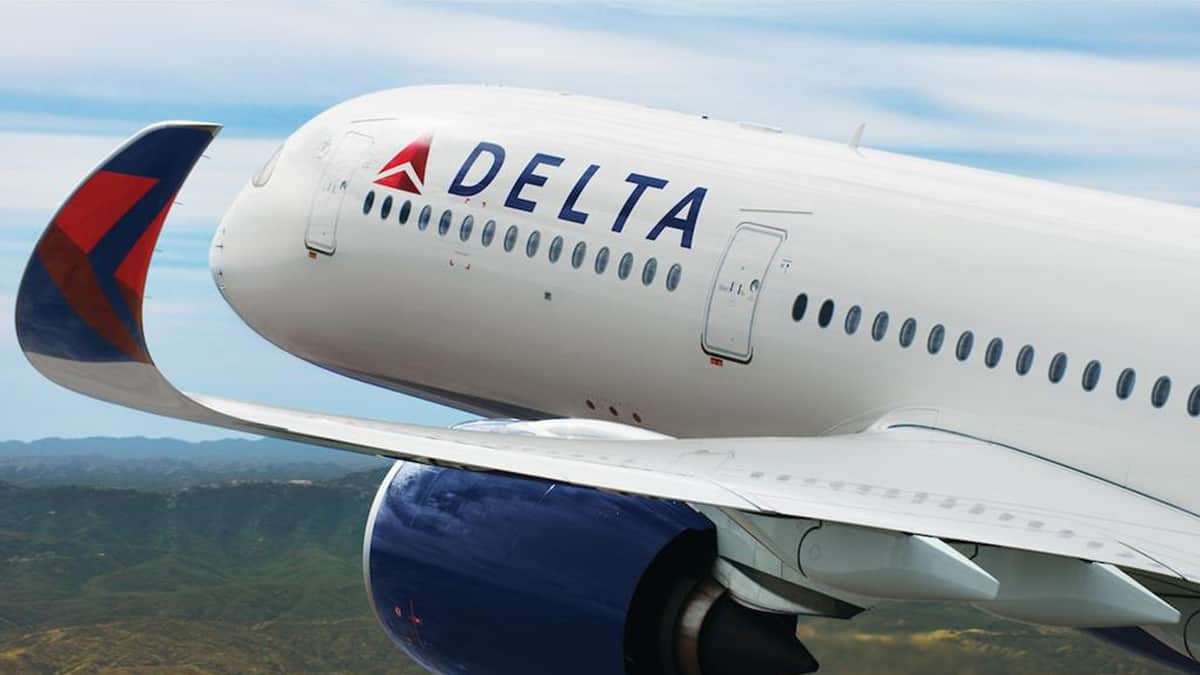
<point x="266" y="577"/>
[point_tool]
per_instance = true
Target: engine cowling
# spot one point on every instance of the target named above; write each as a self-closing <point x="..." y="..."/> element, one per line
<point x="487" y="573"/>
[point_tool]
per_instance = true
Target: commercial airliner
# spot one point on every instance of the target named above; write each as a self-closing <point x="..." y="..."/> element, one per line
<point x="726" y="376"/>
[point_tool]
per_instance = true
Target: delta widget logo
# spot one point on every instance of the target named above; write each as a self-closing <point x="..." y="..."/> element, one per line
<point x="406" y="171"/>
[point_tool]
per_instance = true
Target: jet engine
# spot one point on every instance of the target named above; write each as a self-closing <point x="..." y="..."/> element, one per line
<point x="475" y="572"/>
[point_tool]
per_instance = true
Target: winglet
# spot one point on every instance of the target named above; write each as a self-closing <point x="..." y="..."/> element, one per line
<point x="81" y="295"/>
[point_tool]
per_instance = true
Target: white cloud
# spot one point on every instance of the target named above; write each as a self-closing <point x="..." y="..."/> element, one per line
<point x="41" y="169"/>
<point x="1033" y="102"/>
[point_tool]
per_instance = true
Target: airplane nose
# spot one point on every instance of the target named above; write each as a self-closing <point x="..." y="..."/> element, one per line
<point x="216" y="251"/>
<point x="230" y="255"/>
<point x="257" y="249"/>
<point x="220" y="256"/>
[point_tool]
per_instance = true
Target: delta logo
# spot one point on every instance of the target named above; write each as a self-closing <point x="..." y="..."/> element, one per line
<point x="406" y="171"/>
<point x="481" y="167"/>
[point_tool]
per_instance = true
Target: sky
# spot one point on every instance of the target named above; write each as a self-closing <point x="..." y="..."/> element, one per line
<point x="1099" y="94"/>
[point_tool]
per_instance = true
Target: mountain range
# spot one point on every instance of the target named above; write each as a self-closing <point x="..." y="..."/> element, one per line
<point x="164" y="464"/>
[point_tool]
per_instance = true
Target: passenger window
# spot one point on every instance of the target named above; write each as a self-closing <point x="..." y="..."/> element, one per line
<point x="601" y="260"/>
<point x="488" y="233"/>
<point x="444" y="222"/>
<point x="853" y="319"/>
<point x="531" y="244"/>
<point x="1193" y="404"/>
<point x="1125" y="383"/>
<point x="799" y="306"/>
<point x="937" y="338"/>
<point x="825" y="315"/>
<point x="368" y="202"/>
<point x="648" y="271"/>
<point x="908" y="331"/>
<point x="1058" y="367"/>
<point x="510" y="238"/>
<point x="1161" y="392"/>
<point x="995" y="350"/>
<point x="556" y="247"/>
<point x="673" y="276"/>
<point x="578" y="255"/>
<point x="405" y="211"/>
<point x="385" y="209"/>
<point x="1025" y="360"/>
<point x="423" y="219"/>
<point x="879" y="328"/>
<point x="464" y="232"/>
<point x="1091" y="375"/>
<point x="625" y="266"/>
<point x="966" y="341"/>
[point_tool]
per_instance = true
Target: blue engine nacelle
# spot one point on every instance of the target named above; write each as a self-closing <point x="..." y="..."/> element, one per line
<point x="489" y="573"/>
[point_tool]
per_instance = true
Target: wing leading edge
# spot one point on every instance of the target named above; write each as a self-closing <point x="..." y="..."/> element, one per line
<point x="79" y="323"/>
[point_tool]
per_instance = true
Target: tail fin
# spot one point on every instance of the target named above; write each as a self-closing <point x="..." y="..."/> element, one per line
<point x="81" y="296"/>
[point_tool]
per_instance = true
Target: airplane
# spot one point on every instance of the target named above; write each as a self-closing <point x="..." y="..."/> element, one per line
<point x="726" y="376"/>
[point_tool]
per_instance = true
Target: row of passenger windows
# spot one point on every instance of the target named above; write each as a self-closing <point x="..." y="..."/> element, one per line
<point x="993" y="352"/>
<point x="533" y="242"/>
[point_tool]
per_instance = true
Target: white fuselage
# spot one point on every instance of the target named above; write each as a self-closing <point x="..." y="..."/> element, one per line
<point x="1094" y="276"/>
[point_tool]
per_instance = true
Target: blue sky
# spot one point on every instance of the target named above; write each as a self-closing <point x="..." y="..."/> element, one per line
<point x="1101" y="94"/>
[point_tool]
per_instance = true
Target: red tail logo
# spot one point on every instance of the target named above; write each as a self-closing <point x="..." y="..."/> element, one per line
<point x="406" y="171"/>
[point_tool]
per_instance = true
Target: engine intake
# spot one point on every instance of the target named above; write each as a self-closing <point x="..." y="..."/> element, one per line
<point x="491" y="573"/>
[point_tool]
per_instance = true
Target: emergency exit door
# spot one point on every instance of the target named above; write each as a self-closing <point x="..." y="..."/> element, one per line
<point x="729" y="323"/>
<point x="352" y="151"/>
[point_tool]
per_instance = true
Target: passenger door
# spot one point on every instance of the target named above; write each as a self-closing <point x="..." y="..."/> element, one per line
<point x="348" y="157"/>
<point x="729" y="321"/>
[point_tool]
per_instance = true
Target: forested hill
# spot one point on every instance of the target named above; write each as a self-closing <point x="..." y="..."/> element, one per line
<point x="266" y="577"/>
<point x="235" y="578"/>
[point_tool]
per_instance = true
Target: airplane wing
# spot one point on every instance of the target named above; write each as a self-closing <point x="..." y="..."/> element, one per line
<point x="79" y="323"/>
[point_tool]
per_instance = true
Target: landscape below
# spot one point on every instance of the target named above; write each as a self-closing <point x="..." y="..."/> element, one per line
<point x="140" y="555"/>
